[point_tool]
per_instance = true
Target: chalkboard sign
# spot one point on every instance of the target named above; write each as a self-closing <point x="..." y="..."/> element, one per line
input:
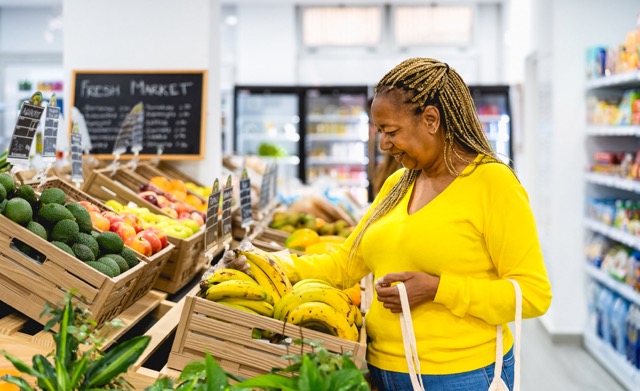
<point x="211" y="232"/>
<point x="245" y="200"/>
<point x="25" y="130"/>
<point x="76" y="156"/>
<point x="174" y="111"/>
<point x="226" y="211"/>
<point x="50" y="138"/>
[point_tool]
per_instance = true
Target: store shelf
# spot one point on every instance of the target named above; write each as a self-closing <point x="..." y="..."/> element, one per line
<point x="619" y="80"/>
<point x="615" y="363"/>
<point x="621" y="288"/>
<point x="604" y="130"/>
<point x="336" y="118"/>
<point x="613" y="181"/>
<point x="335" y="137"/>
<point x="288" y="160"/>
<point x="272" y="137"/>
<point x="485" y="118"/>
<point x="333" y="160"/>
<point x="269" y="117"/>
<point x="613" y="233"/>
<point x="346" y="182"/>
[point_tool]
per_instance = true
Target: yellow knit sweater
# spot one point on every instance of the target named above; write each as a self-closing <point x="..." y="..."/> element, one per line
<point x="475" y="235"/>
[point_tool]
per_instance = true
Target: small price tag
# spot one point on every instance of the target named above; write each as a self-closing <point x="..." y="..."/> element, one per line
<point x="25" y="130"/>
<point x="76" y="156"/>
<point x="274" y="183"/>
<point x="138" y="128"/>
<point x="51" y="118"/>
<point x="211" y="227"/>
<point x="245" y="200"/>
<point x="265" y="189"/>
<point x="125" y="134"/>
<point x="226" y="212"/>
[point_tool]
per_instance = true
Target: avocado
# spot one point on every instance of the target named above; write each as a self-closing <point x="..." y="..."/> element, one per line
<point x="110" y="243"/>
<point x="64" y="247"/>
<point x="122" y="264"/>
<point x="37" y="229"/>
<point x="83" y="252"/>
<point x="65" y="231"/>
<point x="8" y="183"/>
<point x="51" y="214"/>
<point x="95" y="234"/>
<point x="26" y="192"/>
<point x="115" y="269"/>
<point x="53" y="195"/>
<point x="90" y="242"/>
<point x="3" y="193"/>
<point x="130" y="256"/>
<point x="102" y="268"/>
<point x="19" y="211"/>
<point x="3" y="206"/>
<point x="81" y="215"/>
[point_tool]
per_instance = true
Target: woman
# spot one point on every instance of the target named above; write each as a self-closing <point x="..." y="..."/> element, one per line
<point x="454" y="224"/>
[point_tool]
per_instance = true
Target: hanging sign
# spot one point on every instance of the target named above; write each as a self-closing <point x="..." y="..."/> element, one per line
<point x="245" y="200"/>
<point x="125" y="134"/>
<point x="25" y="130"/>
<point x="211" y="230"/>
<point x="226" y="211"/>
<point x="265" y="189"/>
<point x="51" y="119"/>
<point x="76" y="156"/>
<point x="138" y="129"/>
<point x="274" y="183"/>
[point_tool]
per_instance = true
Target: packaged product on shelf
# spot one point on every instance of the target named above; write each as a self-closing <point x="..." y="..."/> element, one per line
<point x="593" y="293"/>
<point x="616" y="262"/>
<point x="596" y="249"/>
<point x="633" y="277"/>
<point x="605" y="301"/>
<point x="632" y="327"/>
<point x="618" y="317"/>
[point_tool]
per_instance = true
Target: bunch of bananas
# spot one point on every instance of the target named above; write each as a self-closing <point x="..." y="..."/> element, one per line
<point x="317" y="305"/>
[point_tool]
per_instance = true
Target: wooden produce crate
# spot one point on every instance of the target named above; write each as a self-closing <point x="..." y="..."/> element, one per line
<point x="186" y="260"/>
<point x="224" y="332"/>
<point x="154" y="263"/>
<point x="148" y="171"/>
<point x="27" y="284"/>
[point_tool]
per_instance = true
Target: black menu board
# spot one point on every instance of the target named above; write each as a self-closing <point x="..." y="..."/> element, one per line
<point x="174" y="111"/>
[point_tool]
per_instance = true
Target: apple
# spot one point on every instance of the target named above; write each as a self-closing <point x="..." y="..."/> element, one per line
<point x="191" y="224"/>
<point x="181" y="207"/>
<point x="152" y="238"/>
<point x="112" y="216"/>
<point x="115" y="205"/>
<point x="89" y="206"/>
<point x="162" y="201"/>
<point x="99" y="221"/>
<point x="123" y="229"/>
<point x="160" y="235"/>
<point x="139" y="244"/>
<point x="149" y="196"/>
<point x="184" y="215"/>
<point x="133" y="220"/>
<point x="172" y="213"/>
<point x="197" y="217"/>
<point x="177" y="231"/>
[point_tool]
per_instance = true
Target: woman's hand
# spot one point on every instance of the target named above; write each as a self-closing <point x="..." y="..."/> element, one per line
<point x="420" y="287"/>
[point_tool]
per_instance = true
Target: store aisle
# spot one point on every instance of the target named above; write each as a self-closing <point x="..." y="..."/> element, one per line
<point x="559" y="367"/>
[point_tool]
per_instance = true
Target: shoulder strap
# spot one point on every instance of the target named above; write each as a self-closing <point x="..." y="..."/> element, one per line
<point x="409" y="339"/>
<point x="516" y="349"/>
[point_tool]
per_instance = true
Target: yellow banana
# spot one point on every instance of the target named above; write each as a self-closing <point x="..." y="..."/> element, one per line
<point x="236" y="288"/>
<point x="260" y="307"/>
<point x="228" y="275"/>
<point x="356" y="332"/>
<point x="311" y="281"/>
<point x="318" y="326"/>
<point x="238" y="307"/>
<point x="324" y="313"/>
<point x="271" y="268"/>
<point x="264" y="281"/>
<point x="358" y="320"/>
<point x="316" y="293"/>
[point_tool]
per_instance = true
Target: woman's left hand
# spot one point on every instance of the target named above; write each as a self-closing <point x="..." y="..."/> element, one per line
<point x="420" y="287"/>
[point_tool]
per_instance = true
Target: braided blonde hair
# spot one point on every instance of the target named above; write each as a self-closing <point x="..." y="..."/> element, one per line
<point x="431" y="82"/>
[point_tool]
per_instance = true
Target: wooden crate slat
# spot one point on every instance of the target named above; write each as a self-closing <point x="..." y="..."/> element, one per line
<point x="11" y="323"/>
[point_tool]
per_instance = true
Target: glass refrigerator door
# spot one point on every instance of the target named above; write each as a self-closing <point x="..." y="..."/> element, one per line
<point x="336" y="139"/>
<point x="267" y="125"/>
<point x="492" y="104"/>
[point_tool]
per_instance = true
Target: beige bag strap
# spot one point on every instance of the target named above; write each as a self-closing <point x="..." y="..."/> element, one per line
<point x="516" y="349"/>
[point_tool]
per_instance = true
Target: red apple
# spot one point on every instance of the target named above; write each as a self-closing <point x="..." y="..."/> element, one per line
<point x="162" y="201"/>
<point x="133" y="220"/>
<point x="172" y="213"/>
<point x="139" y="244"/>
<point x="112" y="216"/>
<point x="89" y="206"/>
<point x="124" y="230"/>
<point x="149" y="196"/>
<point x="197" y="217"/>
<point x="184" y="215"/>
<point x="181" y="207"/>
<point x="99" y="221"/>
<point x="160" y="235"/>
<point x="152" y="238"/>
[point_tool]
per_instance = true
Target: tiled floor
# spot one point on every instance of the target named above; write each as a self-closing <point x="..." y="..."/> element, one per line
<point x="549" y="367"/>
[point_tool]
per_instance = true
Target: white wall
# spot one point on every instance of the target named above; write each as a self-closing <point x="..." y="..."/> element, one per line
<point x="30" y="30"/>
<point x="151" y="34"/>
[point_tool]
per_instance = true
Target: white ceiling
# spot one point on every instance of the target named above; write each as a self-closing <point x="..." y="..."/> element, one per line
<point x="39" y="3"/>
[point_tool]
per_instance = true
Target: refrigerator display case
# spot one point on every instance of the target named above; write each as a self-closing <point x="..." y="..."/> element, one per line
<point x="494" y="111"/>
<point x="315" y="134"/>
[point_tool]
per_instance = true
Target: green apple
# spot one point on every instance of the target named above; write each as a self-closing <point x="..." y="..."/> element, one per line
<point x="191" y="224"/>
<point x="150" y="218"/>
<point x="177" y="231"/>
<point x="115" y="205"/>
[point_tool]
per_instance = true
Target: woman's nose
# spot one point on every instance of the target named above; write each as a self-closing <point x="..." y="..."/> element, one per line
<point x="385" y="143"/>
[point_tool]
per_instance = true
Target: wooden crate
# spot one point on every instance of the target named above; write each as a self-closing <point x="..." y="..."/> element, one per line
<point x="225" y="333"/>
<point x="148" y="171"/>
<point x="187" y="258"/>
<point x="27" y="284"/>
<point x="155" y="263"/>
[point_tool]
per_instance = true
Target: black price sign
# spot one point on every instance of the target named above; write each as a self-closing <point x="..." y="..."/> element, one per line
<point x="211" y="232"/>
<point x="274" y="182"/>
<point x="226" y="211"/>
<point x="25" y="130"/>
<point x="125" y="135"/>
<point x="76" y="156"/>
<point x="245" y="199"/>
<point x="138" y="129"/>
<point x="51" y="118"/>
<point x="265" y="189"/>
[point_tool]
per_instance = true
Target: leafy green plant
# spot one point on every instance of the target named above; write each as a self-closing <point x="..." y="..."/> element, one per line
<point x="319" y="370"/>
<point x="70" y="369"/>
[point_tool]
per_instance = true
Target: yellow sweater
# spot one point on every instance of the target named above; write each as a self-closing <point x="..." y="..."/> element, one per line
<point x="477" y="233"/>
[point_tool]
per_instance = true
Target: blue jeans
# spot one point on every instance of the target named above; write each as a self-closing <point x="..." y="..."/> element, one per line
<point x="476" y="380"/>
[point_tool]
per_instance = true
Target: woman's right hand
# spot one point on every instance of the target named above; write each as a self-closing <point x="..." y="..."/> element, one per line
<point x="231" y="260"/>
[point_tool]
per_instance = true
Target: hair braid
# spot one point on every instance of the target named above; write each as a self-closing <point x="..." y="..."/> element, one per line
<point x="431" y="82"/>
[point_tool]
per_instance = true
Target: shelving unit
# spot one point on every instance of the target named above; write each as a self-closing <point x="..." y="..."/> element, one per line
<point x="336" y="137"/>
<point x="603" y="137"/>
<point x="332" y="160"/>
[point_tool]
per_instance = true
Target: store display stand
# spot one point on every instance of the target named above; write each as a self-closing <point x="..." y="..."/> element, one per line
<point x="602" y="137"/>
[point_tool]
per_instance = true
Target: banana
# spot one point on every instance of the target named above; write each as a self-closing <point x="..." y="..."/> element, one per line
<point x="311" y="281"/>
<point x="318" y="326"/>
<point x="228" y="275"/>
<point x="271" y="268"/>
<point x="260" y="307"/>
<point x="358" y="320"/>
<point x="264" y="281"/>
<point x="321" y="312"/>
<point x="236" y="288"/>
<point x="356" y="332"/>
<point x="316" y="293"/>
<point x="238" y="307"/>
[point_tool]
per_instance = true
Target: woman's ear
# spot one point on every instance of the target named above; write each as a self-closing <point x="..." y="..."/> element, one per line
<point x="431" y="116"/>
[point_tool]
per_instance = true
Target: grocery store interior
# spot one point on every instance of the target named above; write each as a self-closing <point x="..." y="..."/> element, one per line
<point x="282" y="88"/>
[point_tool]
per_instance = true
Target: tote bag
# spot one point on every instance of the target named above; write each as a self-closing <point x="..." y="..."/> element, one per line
<point x="411" y="352"/>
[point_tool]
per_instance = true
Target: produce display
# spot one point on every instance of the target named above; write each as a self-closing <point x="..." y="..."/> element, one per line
<point x="310" y="234"/>
<point x="266" y="290"/>
<point x="67" y="226"/>
<point x="172" y="196"/>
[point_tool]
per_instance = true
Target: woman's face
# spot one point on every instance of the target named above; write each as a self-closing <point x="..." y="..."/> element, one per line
<point x="413" y="140"/>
